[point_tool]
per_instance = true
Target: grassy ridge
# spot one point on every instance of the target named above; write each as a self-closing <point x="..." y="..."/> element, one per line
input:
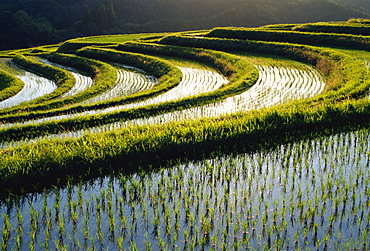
<point x="352" y="26"/>
<point x="104" y="41"/>
<point x="322" y="39"/>
<point x="355" y="29"/>
<point x="9" y="85"/>
<point x="226" y="64"/>
<point x="151" y="65"/>
<point x="72" y="46"/>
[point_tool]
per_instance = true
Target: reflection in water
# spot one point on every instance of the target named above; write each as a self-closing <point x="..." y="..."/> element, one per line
<point x="313" y="194"/>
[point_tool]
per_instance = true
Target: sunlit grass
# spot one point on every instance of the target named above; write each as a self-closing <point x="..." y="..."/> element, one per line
<point x="118" y="38"/>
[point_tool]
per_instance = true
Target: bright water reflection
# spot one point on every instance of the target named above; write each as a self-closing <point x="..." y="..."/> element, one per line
<point x="312" y="194"/>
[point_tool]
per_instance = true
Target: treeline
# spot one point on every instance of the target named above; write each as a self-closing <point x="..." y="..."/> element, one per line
<point x="26" y="23"/>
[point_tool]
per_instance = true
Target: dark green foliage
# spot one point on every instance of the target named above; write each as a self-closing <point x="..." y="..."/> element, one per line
<point x="19" y="30"/>
<point x="25" y="24"/>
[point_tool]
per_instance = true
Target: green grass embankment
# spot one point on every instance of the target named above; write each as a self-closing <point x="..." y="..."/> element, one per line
<point x="70" y="46"/>
<point x="73" y="45"/>
<point x="9" y="85"/>
<point x="227" y="65"/>
<point x="337" y="27"/>
<point x="308" y="38"/>
<point x="352" y="27"/>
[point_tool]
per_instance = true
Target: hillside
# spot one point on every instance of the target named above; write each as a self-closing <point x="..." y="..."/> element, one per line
<point x="27" y="24"/>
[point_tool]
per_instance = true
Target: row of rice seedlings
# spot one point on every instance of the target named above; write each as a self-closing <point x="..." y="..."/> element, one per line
<point x="82" y="82"/>
<point x="34" y="86"/>
<point x="194" y="82"/>
<point x="312" y="194"/>
<point x="362" y="55"/>
<point x="275" y="86"/>
<point x="130" y="80"/>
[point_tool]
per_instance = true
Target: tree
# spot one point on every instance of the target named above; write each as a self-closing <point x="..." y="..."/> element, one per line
<point x="86" y="26"/>
<point x="87" y="16"/>
<point x="111" y="14"/>
<point x="64" y="23"/>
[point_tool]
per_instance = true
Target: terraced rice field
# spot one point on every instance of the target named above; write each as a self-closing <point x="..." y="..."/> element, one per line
<point x="82" y="82"/>
<point x="194" y="82"/>
<point x="275" y="85"/>
<point x="128" y="82"/>
<point x="201" y="161"/>
<point x="35" y="87"/>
